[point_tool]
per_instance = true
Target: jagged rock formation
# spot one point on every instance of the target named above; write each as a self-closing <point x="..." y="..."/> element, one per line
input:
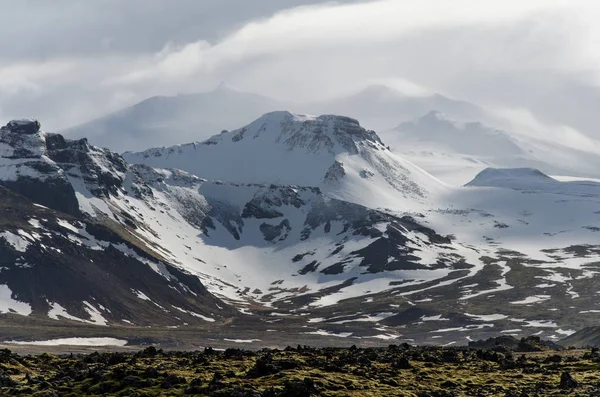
<point x="62" y="262"/>
<point x="306" y="225"/>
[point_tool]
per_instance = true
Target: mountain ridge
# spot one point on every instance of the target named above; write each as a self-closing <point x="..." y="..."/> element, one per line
<point x="191" y="117"/>
<point x="155" y="120"/>
<point x="455" y="151"/>
<point x="328" y="237"/>
<point x="331" y="152"/>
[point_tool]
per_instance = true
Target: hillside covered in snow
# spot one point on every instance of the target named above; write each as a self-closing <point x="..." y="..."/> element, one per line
<point x="308" y="226"/>
<point x="167" y="120"/>
<point x="455" y="151"/>
<point x="163" y="120"/>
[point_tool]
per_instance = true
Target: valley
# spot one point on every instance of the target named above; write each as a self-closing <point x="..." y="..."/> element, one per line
<point x="297" y="227"/>
<point x="299" y="198"/>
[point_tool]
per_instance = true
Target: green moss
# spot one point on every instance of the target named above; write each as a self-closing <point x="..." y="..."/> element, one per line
<point x="427" y="371"/>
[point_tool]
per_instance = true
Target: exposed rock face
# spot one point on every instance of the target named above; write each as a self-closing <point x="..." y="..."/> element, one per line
<point x="53" y="192"/>
<point x="61" y="267"/>
<point x="567" y="381"/>
<point x="335" y="173"/>
<point x="64" y="261"/>
<point x="26" y="169"/>
<point x="101" y="170"/>
<point x="27" y="127"/>
<point x="45" y="167"/>
<point x="366" y="174"/>
<point x="272" y="232"/>
<point x="18" y="141"/>
<point x="263" y="205"/>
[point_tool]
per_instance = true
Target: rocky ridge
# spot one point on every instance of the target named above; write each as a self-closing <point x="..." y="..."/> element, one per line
<point x="251" y="231"/>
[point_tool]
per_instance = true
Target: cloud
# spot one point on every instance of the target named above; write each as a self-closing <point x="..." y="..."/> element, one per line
<point x="348" y="28"/>
<point x="537" y="55"/>
<point x="436" y="44"/>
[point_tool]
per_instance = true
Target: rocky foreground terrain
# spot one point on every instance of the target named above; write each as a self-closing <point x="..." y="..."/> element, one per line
<point x="500" y="367"/>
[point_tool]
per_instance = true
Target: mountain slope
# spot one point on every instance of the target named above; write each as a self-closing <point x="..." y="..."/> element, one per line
<point x="586" y="337"/>
<point x="477" y="259"/>
<point x="467" y="138"/>
<point x="57" y="266"/>
<point x="61" y="259"/>
<point x="455" y="151"/>
<point x="333" y="153"/>
<point x="381" y="107"/>
<point x="297" y="238"/>
<point x="162" y="120"/>
<point x="316" y="249"/>
<point x="305" y="226"/>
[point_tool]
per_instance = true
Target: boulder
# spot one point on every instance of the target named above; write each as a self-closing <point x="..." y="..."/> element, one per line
<point x="27" y="127"/>
<point x="567" y="381"/>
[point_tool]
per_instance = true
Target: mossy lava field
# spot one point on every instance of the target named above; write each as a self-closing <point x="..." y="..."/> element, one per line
<point x="303" y="371"/>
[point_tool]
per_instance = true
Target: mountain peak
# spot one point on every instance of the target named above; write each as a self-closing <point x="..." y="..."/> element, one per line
<point x="223" y="87"/>
<point x="471" y="138"/>
<point x="23" y="126"/>
<point x="41" y="166"/>
<point x="432" y="121"/>
<point x="279" y="115"/>
<point x="435" y="115"/>
<point x="331" y="152"/>
<point x="329" y="133"/>
<point x="510" y="177"/>
<point x="380" y="91"/>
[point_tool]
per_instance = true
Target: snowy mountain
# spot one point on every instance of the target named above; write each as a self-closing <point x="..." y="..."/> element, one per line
<point x="65" y="254"/>
<point x="91" y="207"/>
<point x="471" y="138"/>
<point x="332" y="153"/>
<point x="381" y="107"/>
<point x="492" y="241"/>
<point x="455" y="151"/>
<point x="162" y="120"/>
<point x="305" y="226"/>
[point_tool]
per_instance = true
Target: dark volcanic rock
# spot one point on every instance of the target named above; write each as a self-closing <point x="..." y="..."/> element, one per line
<point x="311" y="267"/>
<point x="527" y="344"/>
<point x="55" y="270"/>
<point x="53" y="192"/>
<point x="567" y="381"/>
<point x="271" y="232"/>
<point x="27" y="127"/>
<point x="42" y="166"/>
<point x="424" y="371"/>
<point x="335" y="173"/>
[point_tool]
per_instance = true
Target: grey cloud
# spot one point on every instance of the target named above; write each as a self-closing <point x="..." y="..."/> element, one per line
<point x="42" y="29"/>
<point x="112" y="53"/>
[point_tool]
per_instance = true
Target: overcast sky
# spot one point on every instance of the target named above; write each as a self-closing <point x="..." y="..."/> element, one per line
<point x="67" y="61"/>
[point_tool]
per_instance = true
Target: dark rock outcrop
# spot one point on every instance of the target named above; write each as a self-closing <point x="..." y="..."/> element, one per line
<point x="27" y="127"/>
<point x="44" y="167"/>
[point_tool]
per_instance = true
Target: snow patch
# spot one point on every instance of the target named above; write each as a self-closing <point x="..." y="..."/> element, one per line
<point x="531" y="299"/>
<point x="10" y="305"/>
<point x="17" y="241"/>
<point x="242" y="340"/>
<point x="322" y="332"/>
<point x="96" y="316"/>
<point x="72" y="342"/>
